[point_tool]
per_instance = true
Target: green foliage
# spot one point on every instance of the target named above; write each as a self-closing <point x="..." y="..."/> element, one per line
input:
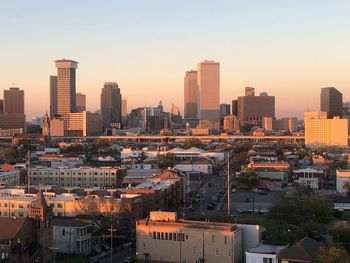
<point x="341" y="234"/>
<point x="248" y="177"/>
<point x="101" y="143"/>
<point x="167" y="160"/>
<point x="240" y="158"/>
<point x="301" y="153"/>
<point x="192" y="143"/>
<point x="243" y="147"/>
<point x="10" y="155"/>
<point x="332" y="255"/>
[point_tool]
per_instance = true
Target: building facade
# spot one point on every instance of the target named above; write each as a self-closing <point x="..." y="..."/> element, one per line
<point x="111" y="105"/>
<point x="80" y="102"/>
<point x="66" y="86"/>
<point x="53" y="96"/>
<point x="191" y="95"/>
<point x="209" y="89"/>
<point x="331" y="102"/>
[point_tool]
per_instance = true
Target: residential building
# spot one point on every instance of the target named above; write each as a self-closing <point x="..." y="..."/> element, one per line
<point x="331" y="102"/>
<point x="191" y="95"/>
<point x="320" y="132"/>
<point x="202" y="165"/>
<point x="309" y="177"/>
<point x="72" y="236"/>
<point x="209" y="90"/>
<point x="66" y="86"/>
<point x="111" y="105"/>
<point x="264" y="254"/>
<point x="304" y="251"/>
<point x="80" y="102"/>
<point x="342" y="180"/>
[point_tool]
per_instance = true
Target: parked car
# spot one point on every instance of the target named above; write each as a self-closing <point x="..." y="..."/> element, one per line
<point x="241" y="210"/>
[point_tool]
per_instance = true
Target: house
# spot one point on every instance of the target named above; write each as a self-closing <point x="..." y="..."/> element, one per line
<point x="263" y="254"/>
<point x="201" y="165"/>
<point x="72" y="236"/>
<point x="304" y="251"/>
<point x="309" y="177"/>
<point x="343" y="178"/>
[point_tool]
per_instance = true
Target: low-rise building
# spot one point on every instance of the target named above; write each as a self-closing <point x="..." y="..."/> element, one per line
<point x="72" y="236"/>
<point x="84" y="176"/>
<point x="304" y="251"/>
<point x="11" y="177"/>
<point x="343" y="179"/>
<point x="263" y="254"/>
<point x="201" y="165"/>
<point x="309" y="177"/>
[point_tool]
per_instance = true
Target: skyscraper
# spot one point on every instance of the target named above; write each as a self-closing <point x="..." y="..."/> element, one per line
<point x="111" y="105"/>
<point x="124" y="107"/>
<point x="66" y="86"/>
<point x="1" y="106"/>
<point x="209" y="89"/>
<point x="14" y="100"/>
<point x="332" y="102"/>
<point x="80" y="102"/>
<point x="191" y="95"/>
<point x="53" y="95"/>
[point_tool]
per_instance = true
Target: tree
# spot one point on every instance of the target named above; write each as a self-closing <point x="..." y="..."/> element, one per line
<point x="332" y="255"/>
<point x="249" y="178"/>
<point x="10" y="154"/>
<point x="166" y="160"/>
<point x="347" y="187"/>
<point x="192" y="143"/>
<point x="243" y="147"/>
<point x="341" y="234"/>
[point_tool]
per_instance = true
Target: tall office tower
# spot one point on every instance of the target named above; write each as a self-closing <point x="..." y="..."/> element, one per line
<point x="80" y="102"/>
<point x="251" y="108"/>
<point x="332" y="102"/>
<point x="66" y="97"/>
<point x="209" y="89"/>
<point x="225" y="109"/>
<point x="111" y="105"/>
<point x="124" y="107"/>
<point x="191" y="95"/>
<point x="235" y="107"/>
<point x="249" y="91"/>
<point x="1" y="106"/>
<point x="53" y="96"/>
<point x="14" y="100"/>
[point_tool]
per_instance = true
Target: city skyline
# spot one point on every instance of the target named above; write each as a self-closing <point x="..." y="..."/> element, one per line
<point x="288" y="49"/>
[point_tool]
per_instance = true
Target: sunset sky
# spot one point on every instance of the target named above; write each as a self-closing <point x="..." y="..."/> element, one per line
<point x="288" y="48"/>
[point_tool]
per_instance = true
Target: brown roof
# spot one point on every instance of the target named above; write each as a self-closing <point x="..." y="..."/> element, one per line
<point x="9" y="227"/>
<point x="305" y="250"/>
<point x="40" y="200"/>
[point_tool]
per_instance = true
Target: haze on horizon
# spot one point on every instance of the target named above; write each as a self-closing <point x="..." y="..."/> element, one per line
<point x="290" y="49"/>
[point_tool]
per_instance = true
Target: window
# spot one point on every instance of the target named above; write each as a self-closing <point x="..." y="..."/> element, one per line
<point x="186" y="237"/>
<point x="59" y="205"/>
<point x="166" y="236"/>
<point x="212" y="239"/>
<point x="12" y="205"/>
<point x="225" y="240"/>
<point x="144" y="246"/>
<point x="20" y="205"/>
<point x="63" y="232"/>
<point x="217" y="252"/>
<point x="267" y="260"/>
<point x="170" y="236"/>
<point x="194" y="251"/>
<point x="229" y="253"/>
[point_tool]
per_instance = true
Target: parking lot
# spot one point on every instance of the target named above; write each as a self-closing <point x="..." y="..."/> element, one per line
<point x="241" y="200"/>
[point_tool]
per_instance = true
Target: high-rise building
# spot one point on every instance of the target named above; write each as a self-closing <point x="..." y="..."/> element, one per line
<point x="209" y="89"/>
<point x="1" y="106"/>
<point x="81" y="124"/>
<point x="124" y="107"/>
<point x="53" y="96"/>
<point x="66" y="86"/>
<point x="231" y="123"/>
<point x="235" y="107"/>
<point x="251" y="108"/>
<point x="80" y="102"/>
<point x="111" y="105"/>
<point x="320" y="131"/>
<point x="225" y="109"/>
<point x="332" y="102"/>
<point x="14" y="100"/>
<point x="191" y="95"/>
<point x="13" y="116"/>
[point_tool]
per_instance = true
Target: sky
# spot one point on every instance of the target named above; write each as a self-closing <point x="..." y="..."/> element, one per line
<point x="290" y="48"/>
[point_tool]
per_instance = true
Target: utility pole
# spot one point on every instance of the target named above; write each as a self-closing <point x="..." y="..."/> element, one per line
<point x="228" y="185"/>
<point x="28" y="167"/>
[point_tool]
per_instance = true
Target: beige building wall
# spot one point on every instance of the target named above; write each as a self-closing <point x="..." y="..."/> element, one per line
<point x="56" y="127"/>
<point x="326" y="132"/>
<point x="231" y="123"/>
<point x="209" y="89"/>
<point x="187" y="241"/>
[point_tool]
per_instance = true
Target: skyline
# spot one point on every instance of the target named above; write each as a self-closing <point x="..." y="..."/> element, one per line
<point x="290" y="50"/>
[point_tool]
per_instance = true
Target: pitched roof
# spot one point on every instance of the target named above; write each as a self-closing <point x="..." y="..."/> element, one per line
<point x="304" y="250"/>
<point x="69" y="221"/>
<point x="40" y="200"/>
<point x="10" y="227"/>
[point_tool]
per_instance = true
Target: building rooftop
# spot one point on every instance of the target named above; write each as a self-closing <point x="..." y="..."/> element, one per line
<point x="266" y="249"/>
<point x="10" y="227"/>
<point x="69" y="221"/>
